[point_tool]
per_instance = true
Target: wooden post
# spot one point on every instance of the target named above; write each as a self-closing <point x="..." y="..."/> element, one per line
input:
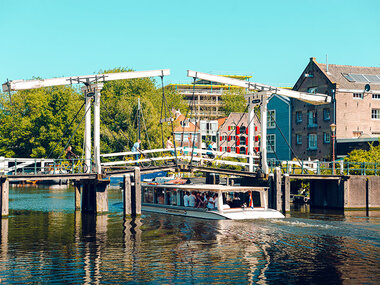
<point x="286" y="196"/>
<point x="278" y="192"/>
<point x="77" y="195"/>
<point x="4" y="197"/>
<point x="127" y="196"/>
<point x="138" y="190"/>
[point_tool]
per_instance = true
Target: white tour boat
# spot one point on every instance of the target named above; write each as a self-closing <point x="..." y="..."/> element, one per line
<point x="232" y="202"/>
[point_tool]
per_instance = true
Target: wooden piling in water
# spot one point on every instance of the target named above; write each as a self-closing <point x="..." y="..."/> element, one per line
<point x="77" y="195"/>
<point x="4" y="197"/>
<point x="137" y="191"/>
<point x="278" y="189"/>
<point x="286" y="195"/>
<point x="127" y="196"/>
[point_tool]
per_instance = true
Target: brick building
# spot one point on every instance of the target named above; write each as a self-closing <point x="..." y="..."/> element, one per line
<point x="233" y="133"/>
<point x="355" y="112"/>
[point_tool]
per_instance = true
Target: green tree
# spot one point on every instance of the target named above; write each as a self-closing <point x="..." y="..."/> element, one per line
<point x="234" y="101"/>
<point x="360" y="155"/>
<point x="34" y="120"/>
<point x="120" y="108"/>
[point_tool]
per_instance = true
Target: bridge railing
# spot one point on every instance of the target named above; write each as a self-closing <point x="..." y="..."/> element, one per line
<point x="326" y="167"/>
<point x="184" y="154"/>
<point x="14" y="166"/>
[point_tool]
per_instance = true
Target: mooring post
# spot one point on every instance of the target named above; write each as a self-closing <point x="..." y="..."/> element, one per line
<point x="286" y="196"/>
<point x="278" y="188"/>
<point x="4" y="203"/>
<point x="127" y="196"/>
<point x="77" y="195"/>
<point x="138" y="190"/>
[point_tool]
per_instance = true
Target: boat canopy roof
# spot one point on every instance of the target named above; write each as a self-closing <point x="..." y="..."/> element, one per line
<point x="208" y="187"/>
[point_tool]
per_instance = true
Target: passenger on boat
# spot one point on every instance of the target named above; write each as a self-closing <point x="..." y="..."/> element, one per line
<point x="215" y="197"/>
<point x="186" y="199"/>
<point x="210" y="202"/>
<point x="161" y="199"/>
<point x="236" y="202"/>
<point x="192" y="200"/>
<point x="199" y="201"/>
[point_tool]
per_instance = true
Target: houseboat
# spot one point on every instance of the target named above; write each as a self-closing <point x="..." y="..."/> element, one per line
<point x="228" y="202"/>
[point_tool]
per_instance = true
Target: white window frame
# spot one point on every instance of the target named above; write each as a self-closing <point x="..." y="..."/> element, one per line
<point x="376" y="96"/>
<point x="375" y="114"/>
<point x="269" y="148"/>
<point x="312" y="143"/>
<point x="357" y="96"/>
<point x="271" y="123"/>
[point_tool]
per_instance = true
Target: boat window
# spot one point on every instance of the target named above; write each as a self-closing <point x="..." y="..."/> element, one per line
<point x="148" y="195"/>
<point x="171" y="197"/>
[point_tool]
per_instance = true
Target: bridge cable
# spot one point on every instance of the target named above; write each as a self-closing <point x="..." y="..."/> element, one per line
<point x="228" y="134"/>
<point x="127" y="138"/>
<point x="291" y="149"/>
<point x="92" y="101"/>
<point x="165" y="103"/>
<point x="51" y="152"/>
<point x="195" y="128"/>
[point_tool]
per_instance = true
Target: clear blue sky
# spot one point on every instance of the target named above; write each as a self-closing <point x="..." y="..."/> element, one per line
<point x="271" y="40"/>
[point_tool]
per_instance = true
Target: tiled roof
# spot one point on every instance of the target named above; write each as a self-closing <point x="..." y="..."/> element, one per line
<point x="335" y="75"/>
<point x="190" y="128"/>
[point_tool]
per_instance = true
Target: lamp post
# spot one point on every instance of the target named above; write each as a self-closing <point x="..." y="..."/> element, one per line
<point x="333" y="127"/>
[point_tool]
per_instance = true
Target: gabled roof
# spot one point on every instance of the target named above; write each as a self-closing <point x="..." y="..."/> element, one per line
<point x="191" y="128"/>
<point x="335" y="74"/>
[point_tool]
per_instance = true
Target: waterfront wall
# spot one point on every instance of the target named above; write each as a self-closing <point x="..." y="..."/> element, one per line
<point x="345" y="192"/>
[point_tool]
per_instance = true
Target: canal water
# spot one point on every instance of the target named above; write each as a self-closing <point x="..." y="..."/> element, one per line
<point x="45" y="241"/>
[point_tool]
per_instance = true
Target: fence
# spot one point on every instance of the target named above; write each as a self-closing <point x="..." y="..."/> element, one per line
<point x="14" y="166"/>
<point x="326" y="167"/>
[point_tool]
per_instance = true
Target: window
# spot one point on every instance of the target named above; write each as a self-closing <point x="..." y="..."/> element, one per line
<point x="271" y="117"/>
<point x="271" y="143"/>
<point x="312" y="142"/>
<point x="326" y="137"/>
<point x="376" y="96"/>
<point x="299" y="139"/>
<point x="312" y="119"/>
<point x="312" y="90"/>
<point x="326" y="114"/>
<point x="298" y="117"/>
<point x="185" y="124"/>
<point x="376" y="114"/>
<point x="357" y="95"/>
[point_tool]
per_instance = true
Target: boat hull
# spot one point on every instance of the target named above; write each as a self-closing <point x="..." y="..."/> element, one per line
<point x="228" y="214"/>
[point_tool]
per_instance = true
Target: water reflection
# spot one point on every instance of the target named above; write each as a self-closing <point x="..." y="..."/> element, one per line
<point x="52" y="246"/>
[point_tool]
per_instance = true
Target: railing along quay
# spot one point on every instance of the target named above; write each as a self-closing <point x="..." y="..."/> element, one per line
<point x="326" y="167"/>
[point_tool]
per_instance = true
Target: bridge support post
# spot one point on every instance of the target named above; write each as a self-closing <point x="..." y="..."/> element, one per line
<point x="127" y="196"/>
<point x="277" y="189"/>
<point x="132" y="194"/>
<point x="77" y="195"/>
<point x="137" y="190"/>
<point x="286" y="194"/>
<point x="4" y="197"/>
<point x="94" y="196"/>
